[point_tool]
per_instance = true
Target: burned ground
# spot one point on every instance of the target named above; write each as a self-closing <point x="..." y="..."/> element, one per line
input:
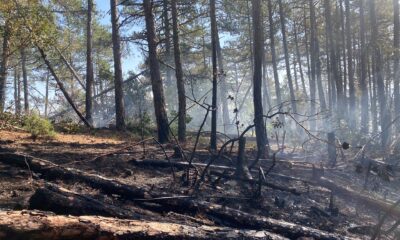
<point x="292" y="193"/>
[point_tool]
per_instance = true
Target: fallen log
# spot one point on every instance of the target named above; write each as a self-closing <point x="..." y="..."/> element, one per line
<point x="62" y="201"/>
<point x="377" y="204"/>
<point x="255" y="181"/>
<point x="233" y="217"/>
<point x="51" y="171"/>
<point x="35" y="225"/>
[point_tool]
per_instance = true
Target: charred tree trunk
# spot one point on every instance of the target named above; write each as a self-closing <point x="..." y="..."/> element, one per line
<point x="213" y="137"/>
<point x="119" y="91"/>
<point x="257" y="79"/>
<point x="156" y="81"/>
<point x="242" y="171"/>
<point x="89" y="63"/>
<point x="179" y="75"/>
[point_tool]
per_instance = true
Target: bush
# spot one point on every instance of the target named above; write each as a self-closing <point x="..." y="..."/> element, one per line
<point x="68" y="126"/>
<point x="39" y="127"/>
<point x="138" y="125"/>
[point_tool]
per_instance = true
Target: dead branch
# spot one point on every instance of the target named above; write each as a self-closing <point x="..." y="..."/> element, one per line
<point x="47" y="226"/>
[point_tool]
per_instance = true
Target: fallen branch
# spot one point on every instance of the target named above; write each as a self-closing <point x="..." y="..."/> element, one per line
<point x="47" y="226"/>
<point x="62" y="201"/>
<point x="233" y="217"/>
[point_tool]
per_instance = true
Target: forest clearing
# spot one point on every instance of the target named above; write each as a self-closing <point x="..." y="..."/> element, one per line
<point x="199" y="119"/>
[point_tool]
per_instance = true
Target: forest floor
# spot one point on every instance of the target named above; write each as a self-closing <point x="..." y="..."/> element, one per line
<point x="295" y="195"/>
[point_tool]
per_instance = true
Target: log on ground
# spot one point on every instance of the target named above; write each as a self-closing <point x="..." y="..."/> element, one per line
<point x="235" y="218"/>
<point x="37" y="225"/>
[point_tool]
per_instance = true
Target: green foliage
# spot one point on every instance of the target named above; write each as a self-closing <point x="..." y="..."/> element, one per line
<point x="142" y="125"/>
<point x="68" y="126"/>
<point x="39" y="127"/>
<point x="8" y="120"/>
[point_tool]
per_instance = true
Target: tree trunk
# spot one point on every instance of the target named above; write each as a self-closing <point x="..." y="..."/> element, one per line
<point x="222" y="86"/>
<point x="273" y="53"/>
<point x="119" y="92"/>
<point x="179" y="75"/>
<point x="37" y="225"/>
<point x="352" y="94"/>
<point x="25" y="81"/>
<point x="286" y="51"/>
<point x="333" y="61"/>
<point x="17" y="91"/>
<point x="62" y="201"/>
<point x="257" y="79"/>
<point x="89" y="63"/>
<point x="396" y="46"/>
<point x="303" y="83"/>
<point x="313" y="60"/>
<point x="46" y="97"/>
<point x="156" y="81"/>
<point x="363" y="73"/>
<point x="167" y="35"/>
<point x="378" y="76"/>
<point x="242" y="170"/>
<point x="4" y="65"/>
<point x="213" y="137"/>
<point x="62" y="88"/>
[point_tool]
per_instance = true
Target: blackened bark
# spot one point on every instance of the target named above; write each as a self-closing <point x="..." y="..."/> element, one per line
<point x="179" y="75"/>
<point x="156" y="81"/>
<point x="213" y="137"/>
<point x="119" y="92"/>
<point x="257" y="79"/>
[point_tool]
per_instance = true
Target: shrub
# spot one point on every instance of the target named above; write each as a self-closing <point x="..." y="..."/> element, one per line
<point x="138" y="125"/>
<point x="68" y="126"/>
<point x="39" y="127"/>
